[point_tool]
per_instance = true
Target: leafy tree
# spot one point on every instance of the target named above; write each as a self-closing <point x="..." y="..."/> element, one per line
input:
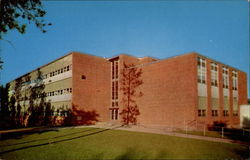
<point x="12" y="11"/>
<point x="4" y="108"/>
<point x="37" y="94"/>
<point x="130" y="81"/>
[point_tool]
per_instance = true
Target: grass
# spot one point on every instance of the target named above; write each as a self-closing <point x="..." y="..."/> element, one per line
<point x="93" y="143"/>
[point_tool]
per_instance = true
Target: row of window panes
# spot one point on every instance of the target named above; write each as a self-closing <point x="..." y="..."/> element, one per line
<point x="214" y="76"/>
<point x="202" y="113"/>
<point x="59" y="71"/>
<point x="59" y="92"/>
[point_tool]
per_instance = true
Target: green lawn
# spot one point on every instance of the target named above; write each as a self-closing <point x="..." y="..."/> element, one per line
<point x="92" y="143"/>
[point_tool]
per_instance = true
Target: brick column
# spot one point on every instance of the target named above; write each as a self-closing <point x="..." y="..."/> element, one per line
<point x="208" y="83"/>
<point x="230" y="96"/>
<point x="221" y="97"/>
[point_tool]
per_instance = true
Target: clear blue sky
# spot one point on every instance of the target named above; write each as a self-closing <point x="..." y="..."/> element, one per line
<point x="217" y="29"/>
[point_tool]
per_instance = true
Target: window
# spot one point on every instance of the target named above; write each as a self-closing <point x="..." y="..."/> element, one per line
<point x="214" y="74"/>
<point x="235" y="113"/>
<point x="201" y="65"/>
<point x="116" y="89"/>
<point x="201" y="112"/>
<point x="225" y="113"/>
<point x="70" y="90"/>
<point x="113" y="90"/>
<point x="61" y="70"/>
<point x="235" y="80"/>
<point x="83" y="77"/>
<point x="225" y="77"/>
<point x="114" y="114"/>
<point x="113" y="70"/>
<point x="116" y="69"/>
<point x="214" y="113"/>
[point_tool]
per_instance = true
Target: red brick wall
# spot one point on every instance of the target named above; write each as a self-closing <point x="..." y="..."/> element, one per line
<point x="231" y="121"/>
<point x="170" y="92"/>
<point x="92" y="93"/>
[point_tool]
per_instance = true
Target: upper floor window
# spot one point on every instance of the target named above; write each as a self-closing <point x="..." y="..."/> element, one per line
<point x="235" y="80"/>
<point x="225" y="77"/>
<point x="214" y="74"/>
<point x="201" y="65"/>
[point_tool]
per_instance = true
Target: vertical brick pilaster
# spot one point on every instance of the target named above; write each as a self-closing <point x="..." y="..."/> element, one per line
<point x="230" y="95"/>
<point x="209" y="106"/>
<point x="221" y="97"/>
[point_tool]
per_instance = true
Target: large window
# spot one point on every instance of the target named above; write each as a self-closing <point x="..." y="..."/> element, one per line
<point x="225" y="77"/>
<point x="235" y="80"/>
<point x="201" y="66"/>
<point x="115" y="89"/>
<point x="214" y="74"/>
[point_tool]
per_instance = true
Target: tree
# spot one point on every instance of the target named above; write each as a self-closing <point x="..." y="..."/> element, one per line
<point x="4" y="107"/>
<point x="18" y="96"/>
<point x="37" y="104"/>
<point x="130" y="81"/>
<point x="12" y="11"/>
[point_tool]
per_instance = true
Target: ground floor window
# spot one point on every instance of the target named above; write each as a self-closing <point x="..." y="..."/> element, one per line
<point x="114" y="113"/>
<point x="214" y="113"/>
<point x="201" y="112"/>
<point x="225" y="113"/>
<point x="235" y="113"/>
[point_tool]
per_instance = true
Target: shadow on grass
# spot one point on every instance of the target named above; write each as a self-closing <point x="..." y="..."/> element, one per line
<point x="20" y="134"/>
<point x="42" y="139"/>
<point x="58" y="141"/>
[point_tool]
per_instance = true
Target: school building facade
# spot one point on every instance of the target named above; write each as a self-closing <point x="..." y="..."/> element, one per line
<point x="185" y="90"/>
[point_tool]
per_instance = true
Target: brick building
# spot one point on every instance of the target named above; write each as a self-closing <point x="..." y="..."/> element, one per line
<point x="189" y="90"/>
